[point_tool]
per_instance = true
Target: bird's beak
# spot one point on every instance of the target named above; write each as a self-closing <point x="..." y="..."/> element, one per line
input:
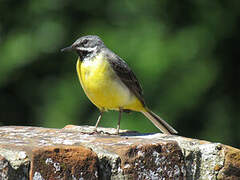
<point x="70" y="48"/>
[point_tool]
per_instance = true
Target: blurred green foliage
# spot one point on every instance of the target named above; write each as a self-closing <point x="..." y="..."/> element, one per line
<point x="183" y="53"/>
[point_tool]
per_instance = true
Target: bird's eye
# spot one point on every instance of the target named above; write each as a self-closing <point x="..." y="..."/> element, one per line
<point x="84" y="41"/>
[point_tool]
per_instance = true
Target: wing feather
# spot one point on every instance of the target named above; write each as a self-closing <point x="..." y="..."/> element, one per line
<point x="126" y="75"/>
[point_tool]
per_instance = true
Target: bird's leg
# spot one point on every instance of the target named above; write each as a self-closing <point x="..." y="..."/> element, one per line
<point x="119" y="119"/>
<point x="98" y="120"/>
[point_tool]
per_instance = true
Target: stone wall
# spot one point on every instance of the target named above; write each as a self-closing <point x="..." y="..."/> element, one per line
<point x="75" y="152"/>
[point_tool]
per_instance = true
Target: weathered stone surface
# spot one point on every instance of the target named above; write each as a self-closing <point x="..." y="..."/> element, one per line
<point x="11" y="172"/>
<point x="148" y="161"/>
<point x="76" y="152"/>
<point x="231" y="167"/>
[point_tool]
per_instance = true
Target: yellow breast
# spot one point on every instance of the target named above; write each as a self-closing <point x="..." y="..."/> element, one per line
<point x="103" y="87"/>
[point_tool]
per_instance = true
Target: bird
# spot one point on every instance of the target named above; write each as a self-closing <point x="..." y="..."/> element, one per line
<point x="109" y="82"/>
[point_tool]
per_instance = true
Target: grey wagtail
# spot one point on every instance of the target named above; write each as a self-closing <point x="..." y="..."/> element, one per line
<point x="109" y="82"/>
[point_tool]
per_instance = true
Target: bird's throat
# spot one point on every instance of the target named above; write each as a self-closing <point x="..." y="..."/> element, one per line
<point x="83" y="54"/>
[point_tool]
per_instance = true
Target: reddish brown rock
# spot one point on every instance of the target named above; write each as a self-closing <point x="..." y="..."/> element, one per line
<point x="62" y="162"/>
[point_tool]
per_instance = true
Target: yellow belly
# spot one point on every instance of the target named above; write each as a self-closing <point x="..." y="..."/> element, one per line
<point x="103" y="87"/>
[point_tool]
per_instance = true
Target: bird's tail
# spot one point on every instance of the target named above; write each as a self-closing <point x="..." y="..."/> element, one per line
<point x="159" y="122"/>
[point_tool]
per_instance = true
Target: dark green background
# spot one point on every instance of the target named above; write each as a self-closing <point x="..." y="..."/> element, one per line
<point x="184" y="53"/>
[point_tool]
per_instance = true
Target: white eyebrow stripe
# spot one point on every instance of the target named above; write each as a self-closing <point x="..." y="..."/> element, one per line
<point x="86" y="49"/>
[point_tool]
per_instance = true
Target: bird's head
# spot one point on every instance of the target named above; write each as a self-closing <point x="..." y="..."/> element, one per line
<point x="85" y="45"/>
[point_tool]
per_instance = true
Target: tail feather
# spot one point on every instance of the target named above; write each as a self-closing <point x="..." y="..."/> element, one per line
<point x="159" y="122"/>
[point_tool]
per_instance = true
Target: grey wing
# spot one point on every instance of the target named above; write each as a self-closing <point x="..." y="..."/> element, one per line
<point x="126" y="75"/>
